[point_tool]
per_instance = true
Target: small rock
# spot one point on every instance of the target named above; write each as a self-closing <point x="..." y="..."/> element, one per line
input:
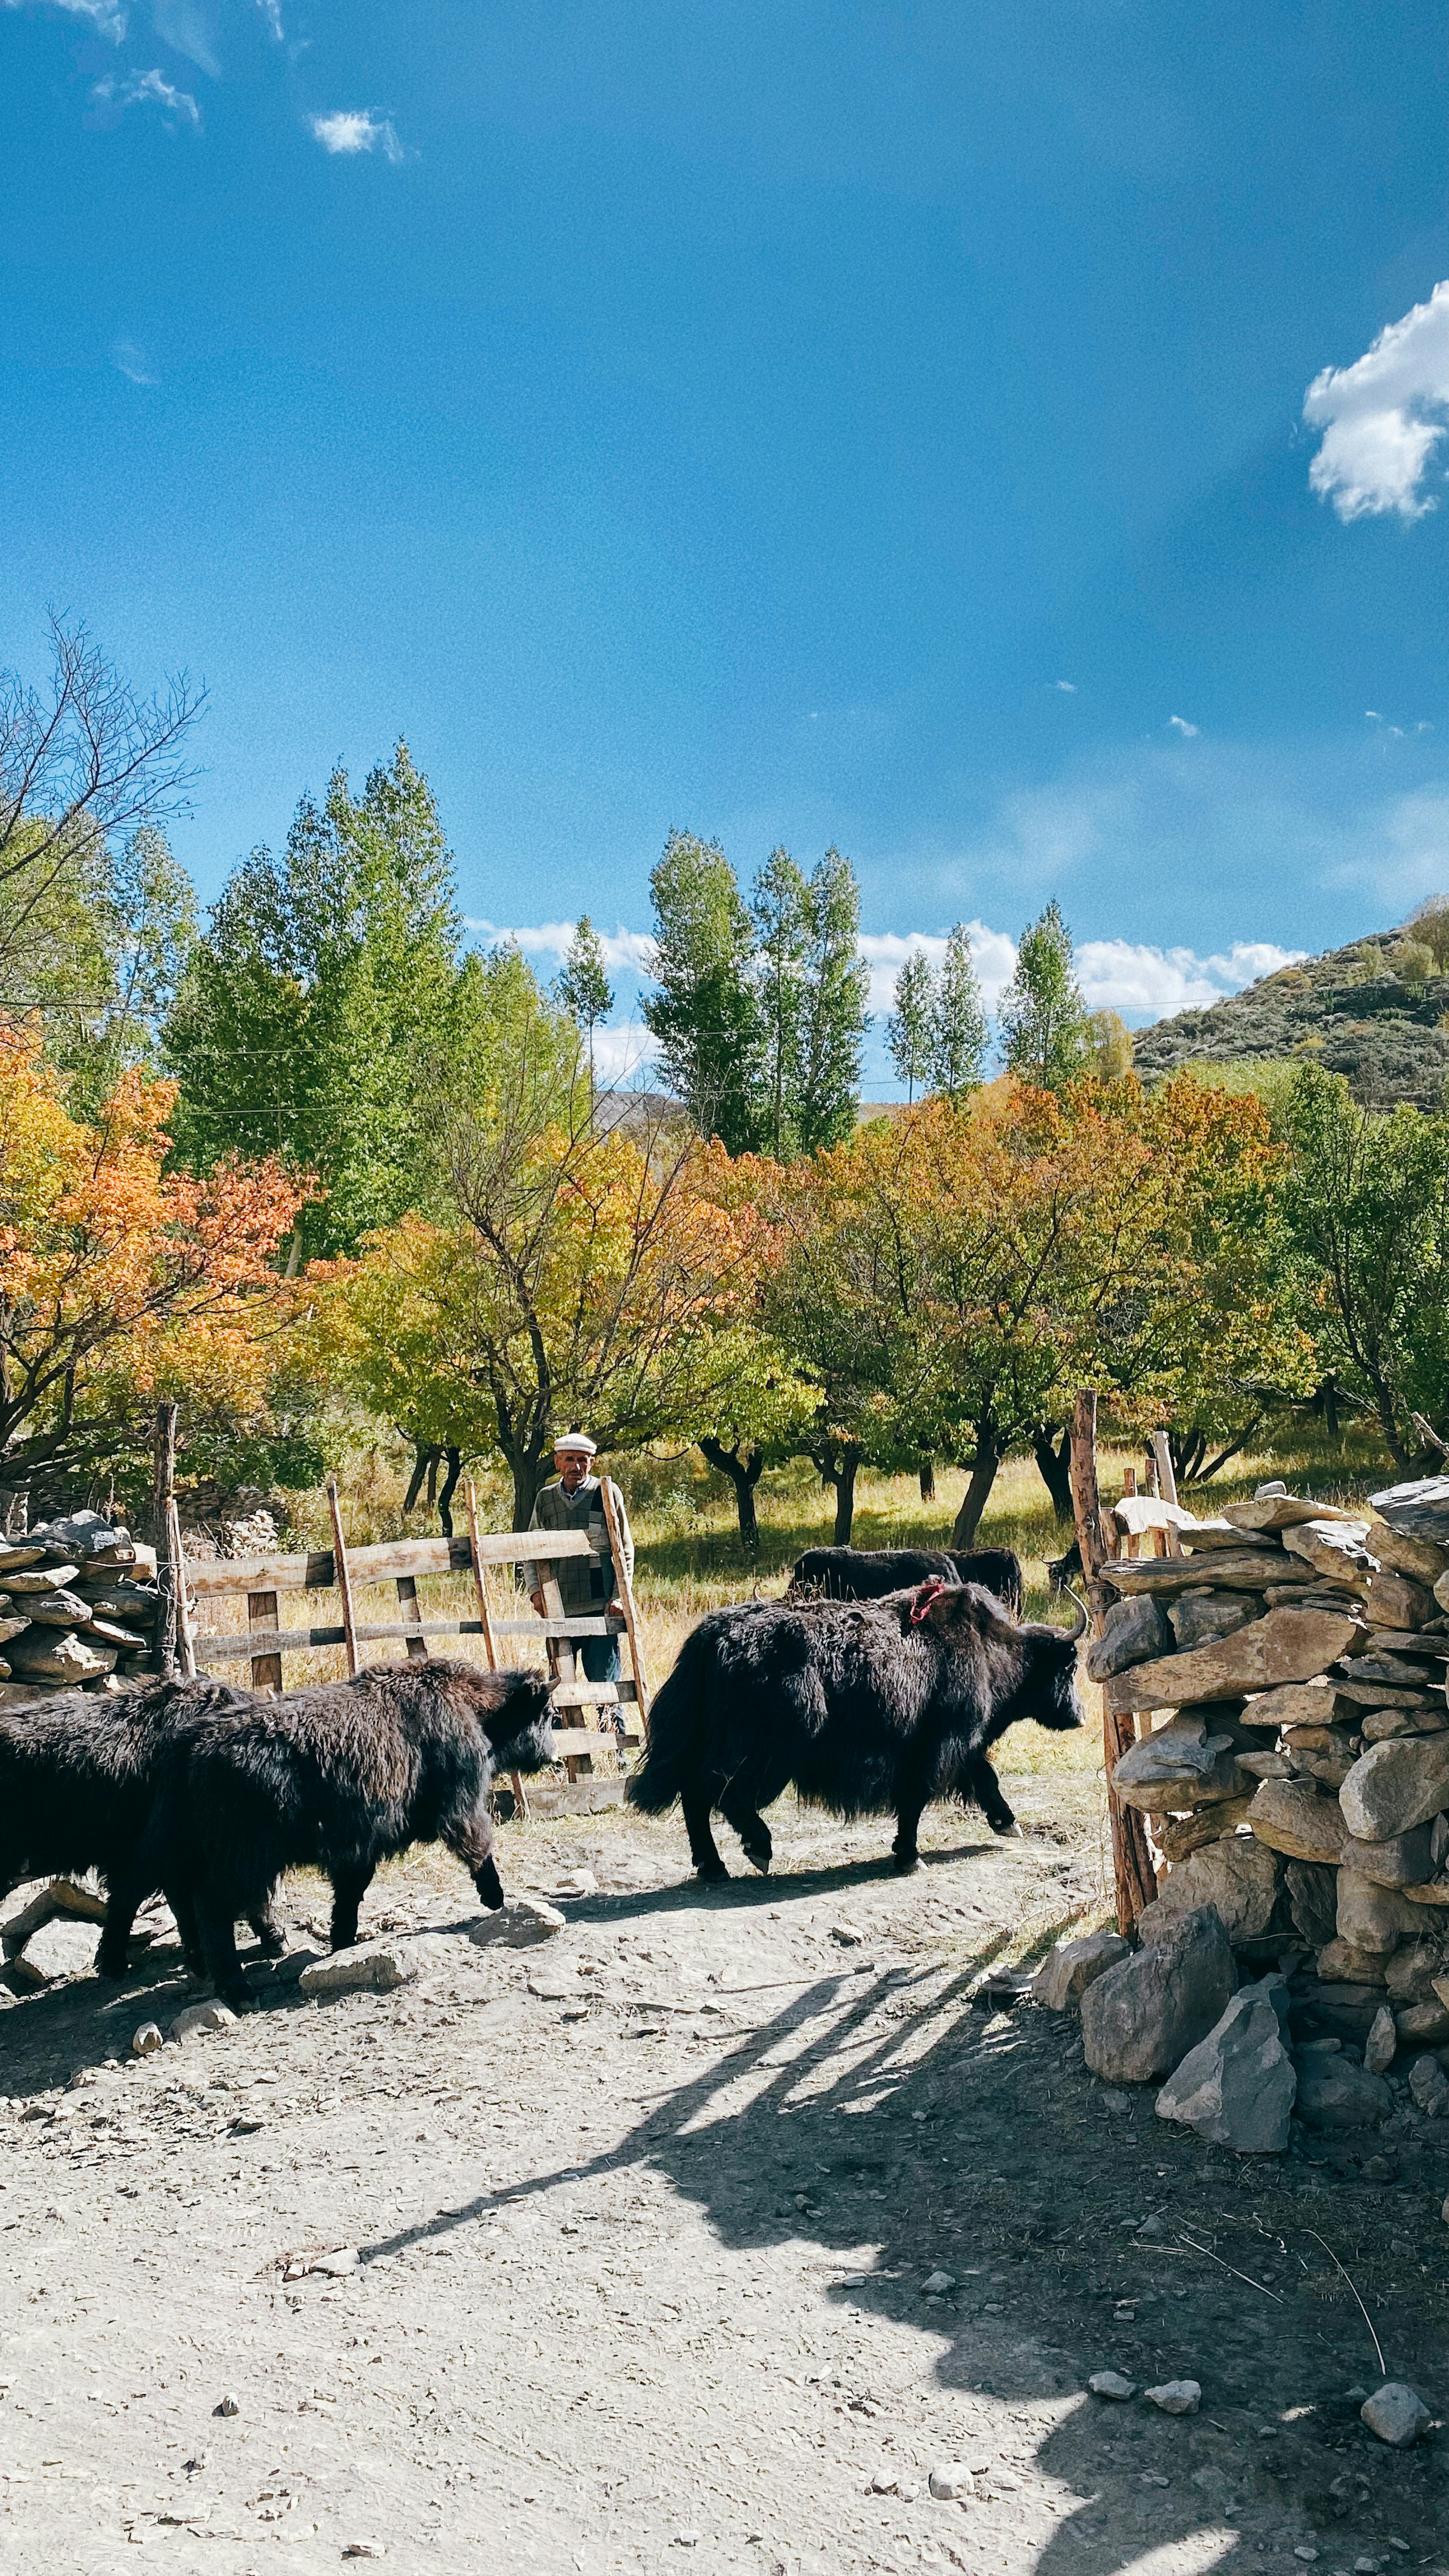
<point x="1337" y="2093"/>
<point x="847" y="1935"/>
<point x="952" y="2484"/>
<point x="372" y="1966"/>
<point x="147" y="2040"/>
<point x="687" y="2539"/>
<point x="1429" y="2086"/>
<point x="1383" y="2039"/>
<point x="1176" y="2396"/>
<point x="518" y="1924"/>
<point x="365" y="2549"/>
<point x="62" y="1949"/>
<point x="197" y="2017"/>
<point x="1064" y="1976"/>
<point x="346" y="2259"/>
<point x="936" y="2284"/>
<point x="1306" y="2552"/>
<point x="1152" y="2227"/>
<point x="1395" y="2414"/>
<point x="1237" y="2086"/>
<point x="1110" y="2383"/>
<point x="228" y="2406"/>
<point x="579" y="1882"/>
<point x="1395" y="1786"/>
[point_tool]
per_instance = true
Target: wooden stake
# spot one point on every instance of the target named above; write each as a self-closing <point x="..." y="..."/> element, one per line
<point x="1162" y="1452"/>
<point x="342" y="1576"/>
<point x="625" y="1589"/>
<point x="163" y="1486"/>
<point x="1132" y="1870"/>
<point x="185" y="1651"/>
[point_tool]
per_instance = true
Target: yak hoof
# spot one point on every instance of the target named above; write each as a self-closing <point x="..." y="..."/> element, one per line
<point x="1009" y="1831"/>
<point x="759" y="1860"/>
<point x="905" y="1862"/>
<point x="106" y="1966"/>
<point x="710" y="1869"/>
<point x="272" y="1945"/>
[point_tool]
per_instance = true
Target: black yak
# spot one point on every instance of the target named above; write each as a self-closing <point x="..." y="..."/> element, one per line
<point x="868" y="1573"/>
<point x="341" y="1777"/>
<point x="78" y="1775"/>
<point x="868" y="1707"/>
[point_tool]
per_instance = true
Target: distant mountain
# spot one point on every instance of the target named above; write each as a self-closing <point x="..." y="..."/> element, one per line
<point x="1346" y="1010"/>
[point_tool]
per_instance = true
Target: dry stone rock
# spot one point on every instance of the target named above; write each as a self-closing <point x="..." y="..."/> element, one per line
<point x="1064" y="1976"/>
<point x="35" y="1583"/>
<point x="1396" y="2414"/>
<point x="1176" y="2396"/>
<point x="1345" y="2011"/>
<point x="1282" y="1646"/>
<point x="43" y="1655"/>
<point x="1312" y="1900"/>
<point x="1382" y="1724"/>
<point x="1429" y="2086"/>
<point x="1132" y="1633"/>
<point x="1186" y="1763"/>
<point x="1424" y="2025"/>
<point x="519" y="1925"/>
<point x="58" y="1610"/>
<point x="1110" y="2384"/>
<point x="207" y="2016"/>
<point x="1293" y="1817"/>
<point x="1239" y="1878"/>
<point x="1164" y="1577"/>
<point x="372" y="1965"/>
<point x="1334" y="1549"/>
<point x="1413" y="1972"/>
<point x="1396" y="1785"/>
<point x="1371" y="1917"/>
<point x="1338" y="1963"/>
<point x="1176" y="1836"/>
<point x="1419" y="1509"/>
<point x="62" y="1948"/>
<point x="146" y="2040"/>
<point x="1402" y="1861"/>
<point x="1266" y="1766"/>
<point x="1269" y="1511"/>
<point x="1201" y="1616"/>
<point x="1420" y="1558"/>
<point x="1383" y="2039"/>
<point x="1140" y="2019"/>
<point x="1292" y="1704"/>
<point x="1337" y="2093"/>
<point x="1237" y="2087"/>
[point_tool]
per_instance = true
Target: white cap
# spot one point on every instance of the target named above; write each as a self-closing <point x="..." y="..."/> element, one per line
<point x="577" y="1441"/>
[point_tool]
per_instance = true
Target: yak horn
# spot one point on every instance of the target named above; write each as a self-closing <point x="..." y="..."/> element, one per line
<point x="1083" y="1613"/>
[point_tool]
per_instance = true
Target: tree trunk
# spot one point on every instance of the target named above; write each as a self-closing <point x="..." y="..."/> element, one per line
<point x="1054" y="1465"/>
<point x="527" y="1466"/>
<point x="425" y="1457"/>
<point x="837" y="1467"/>
<point x="743" y="1471"/>
<point x="928" y="1480"/>
<point x="445" y="1497"/>
<point x="1330" y="1409"/>
<point x="978" y="1491"/>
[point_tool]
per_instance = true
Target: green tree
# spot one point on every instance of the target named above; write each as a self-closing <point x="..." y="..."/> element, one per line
<point x="706" y="1011"/>
<point x="908" y="1030"/>
<point x="582" y="987"/>
<point x="958" y="1023"/>
<point x="834" y="1019"/>
<point x="1044" y="1020"/>
<point x="312" y="1015"/>
<point x="780" y="908"/>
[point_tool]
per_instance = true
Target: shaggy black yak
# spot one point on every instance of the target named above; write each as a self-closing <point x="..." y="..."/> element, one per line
<point x="340" y="1778"/>
<point x="868" y="1707"/>
<point x="78" y="1774"/>
<point x="868" y="1573"/>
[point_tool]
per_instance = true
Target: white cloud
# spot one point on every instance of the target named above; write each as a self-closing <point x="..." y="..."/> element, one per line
<point x="628" y="952"/>
<point x="356" y="129"/>
<point x="1381" y="418"/>
<point x="885" y="953"/>
<point x="622" y="1055"/>
<point x="143" y="89"/>
<point x="1179" y="724"/>
<point x="106" y="16"/>
<point x="184" y="26"/>
<point x="1068" y="687"/>
<point x="133" y="363"/>
<point x="1123" y="975"/>
<point x="272" y="12"/>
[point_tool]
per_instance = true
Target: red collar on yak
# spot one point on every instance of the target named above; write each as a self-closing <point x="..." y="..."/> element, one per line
<point x="928" y="1593"/>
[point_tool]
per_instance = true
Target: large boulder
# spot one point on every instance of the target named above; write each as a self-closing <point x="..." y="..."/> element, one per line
<point x="1294" y="1817"/>
<point x="1239" y="1879"/>
<point x="1395" y="1786"/>
<point x="51" y="1655"/>
<point x="1282" y="1646"/>
<point x="1198" y="1617"/>
<point x="1141" y="2018"/>
<point x="1419" y="1509"/>
<point x="1068" y="1970"/>
<point x="1402" y="1861"/>
<point x="1338" y="1963"/>
<point x="1237" y="2086"/>
<point x="1335" y="2092"/>
<point x="1132" y="1633"/>
<point x="1371" y="1917"/>
<point x="1187" y="1763"/>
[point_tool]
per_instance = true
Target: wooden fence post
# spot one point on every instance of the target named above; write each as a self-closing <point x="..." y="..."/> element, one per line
<point x="485" y="1621"/>
<point x="623" y="1584"/>
<point x="1132" y="1871"/>
<point x="344" y="1579"/>
<point x="163" y="1484"/>
<point x="1167" y="1479"/>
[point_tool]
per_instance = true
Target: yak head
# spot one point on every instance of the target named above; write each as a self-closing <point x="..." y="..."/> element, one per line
<point x="512" y="1709"/>
<point x="1027" y="1667"/>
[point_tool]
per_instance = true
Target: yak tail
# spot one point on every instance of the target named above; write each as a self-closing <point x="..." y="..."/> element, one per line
<point x="669" y="1755"/>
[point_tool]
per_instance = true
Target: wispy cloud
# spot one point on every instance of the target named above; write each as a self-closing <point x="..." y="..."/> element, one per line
<point x="628" y="952"/>
<point x="111" y="98"/>
<point x="885" y="953"/>
<point x="1179" y="724"/>
<point x="1067" y="687"/>
<point x="185" y="26"/>
<point x="272" y="12"/>
<point x="356" y="129"/>
<point x="106" y="16"/>
<point x="1383" y="418"/>
<point x="133" y="363"/>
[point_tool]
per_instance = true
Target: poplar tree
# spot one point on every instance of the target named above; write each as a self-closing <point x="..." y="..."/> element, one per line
<point x="706" y="1011"/>
<point x="958" y="1022"/>
<point x="1045" y="1024"/>
<point x="834" y="1019"/>
<point x="582" y="987"/>
<point x="908" y="1030"/>
<point x="780" y="908"/>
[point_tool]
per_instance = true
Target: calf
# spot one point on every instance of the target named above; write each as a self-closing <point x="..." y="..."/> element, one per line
<point x="340" y="1778"/>
<point x="869" y="1708"/>
<point x="868" y="1573"/>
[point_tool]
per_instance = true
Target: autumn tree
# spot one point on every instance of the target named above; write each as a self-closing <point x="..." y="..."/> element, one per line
<point x="121" y="1282"/>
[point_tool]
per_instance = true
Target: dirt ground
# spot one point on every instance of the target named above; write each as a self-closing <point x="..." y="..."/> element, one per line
<point x="644" y="2217"/>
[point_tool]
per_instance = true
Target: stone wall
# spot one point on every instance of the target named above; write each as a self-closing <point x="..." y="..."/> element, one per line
<point x="78" y="1608"/>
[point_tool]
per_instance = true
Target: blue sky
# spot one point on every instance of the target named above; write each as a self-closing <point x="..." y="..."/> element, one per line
<point x="795" y="423"/>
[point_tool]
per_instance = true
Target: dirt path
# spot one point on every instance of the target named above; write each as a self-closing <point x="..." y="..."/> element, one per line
<point x="644" y="2218"/>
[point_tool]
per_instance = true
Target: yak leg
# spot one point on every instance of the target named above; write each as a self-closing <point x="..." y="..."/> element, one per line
<point x="349" y="1886"/>
<point x="703" y="1850"/>
<point x="983" y="1785"/>
<point x="738" y="1810"/>
<point x="470" y="1837"/>
<point x="183" y="1905"/>
<point x="125" y="1893"/>
<point x="909" y="1809"/>
<point x="270" y="1930"/>
<point x="216" y="1920"/>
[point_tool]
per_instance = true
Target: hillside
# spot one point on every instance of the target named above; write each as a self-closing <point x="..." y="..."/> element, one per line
<point x="1347" y="1010"/>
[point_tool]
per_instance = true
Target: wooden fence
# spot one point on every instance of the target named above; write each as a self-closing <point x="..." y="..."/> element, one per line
<point x="263" y="1643"/>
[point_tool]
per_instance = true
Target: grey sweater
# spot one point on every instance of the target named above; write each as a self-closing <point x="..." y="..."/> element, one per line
<point x="587" y="1583"/>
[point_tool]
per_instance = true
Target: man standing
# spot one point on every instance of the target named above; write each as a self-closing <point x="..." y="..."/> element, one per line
<point x="587" y="1583"/>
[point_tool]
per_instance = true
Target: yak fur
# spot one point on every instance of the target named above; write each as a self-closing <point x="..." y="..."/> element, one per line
<point x="339" y="1778"/>
<point x="868" y="1573"/>
<point x="867" y="1708"/>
